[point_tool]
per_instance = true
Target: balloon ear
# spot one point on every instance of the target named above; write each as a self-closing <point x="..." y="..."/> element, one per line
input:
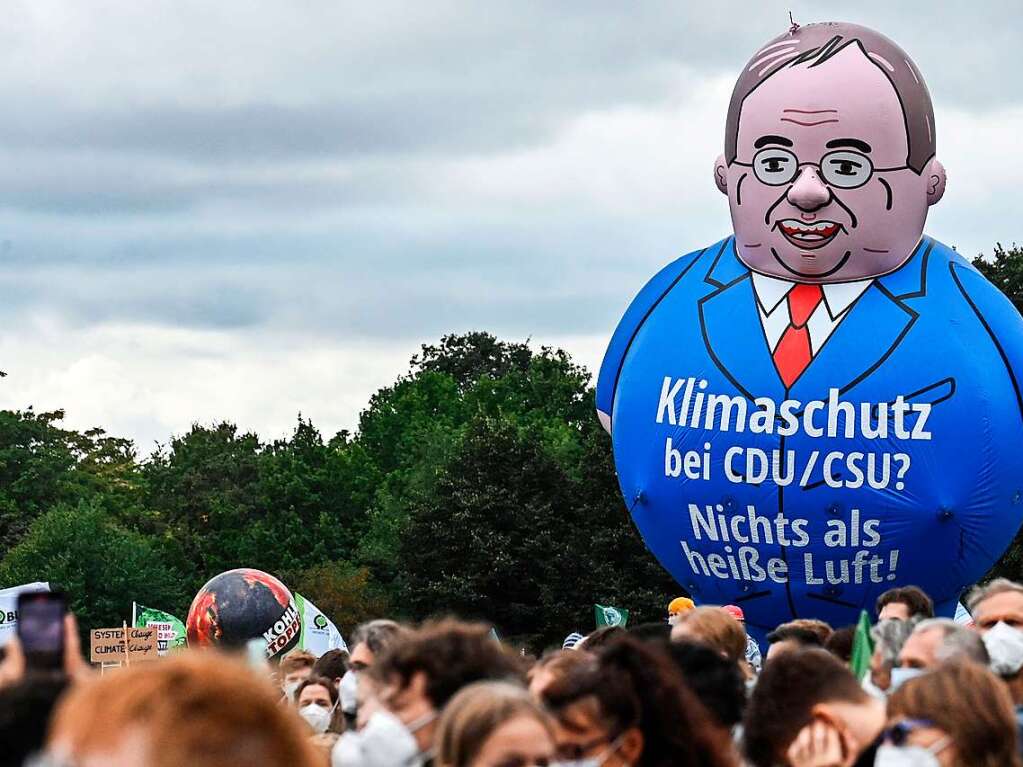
<point x="935" y="181"/>
<point x="721" y="174"/>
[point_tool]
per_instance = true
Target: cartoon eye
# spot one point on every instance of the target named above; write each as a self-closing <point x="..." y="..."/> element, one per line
<point x="775" y="166"/>
<point x="845" y="169"/>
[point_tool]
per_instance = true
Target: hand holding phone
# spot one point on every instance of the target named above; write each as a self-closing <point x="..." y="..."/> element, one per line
<point x="41" y="629"/>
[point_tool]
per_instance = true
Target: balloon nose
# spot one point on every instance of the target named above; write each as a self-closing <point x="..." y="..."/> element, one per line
<point x="808" y="192"/>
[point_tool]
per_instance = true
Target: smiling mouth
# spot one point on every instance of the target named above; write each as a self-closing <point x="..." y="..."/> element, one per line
<point x="803" y="235"/>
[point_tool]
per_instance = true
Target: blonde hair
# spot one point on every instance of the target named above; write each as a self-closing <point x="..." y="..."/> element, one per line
<point x="475" y="713"/>
<point x="713" y="627"/>
<point x="970" y="704"/>
<point x="202" y="709"/>
<point x="296" y="660"/>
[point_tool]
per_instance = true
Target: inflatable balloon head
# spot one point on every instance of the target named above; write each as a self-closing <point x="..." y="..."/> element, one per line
<point x="240" y="605"/>
<point x="829" y="162"/>
<point x="826" y="403"/>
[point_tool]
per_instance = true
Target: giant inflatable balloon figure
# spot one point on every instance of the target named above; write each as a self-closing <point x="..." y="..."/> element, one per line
<point x="827" y="403"/>
<point x="244" y="604"/>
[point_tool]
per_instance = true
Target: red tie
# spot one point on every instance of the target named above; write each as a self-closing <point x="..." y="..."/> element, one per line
<point x="793" y="354"/>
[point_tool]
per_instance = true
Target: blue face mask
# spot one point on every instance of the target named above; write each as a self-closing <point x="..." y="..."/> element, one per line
<point x="902" y="675"/>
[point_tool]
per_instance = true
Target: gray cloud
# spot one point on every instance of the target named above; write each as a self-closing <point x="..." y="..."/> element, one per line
<point x="384" y="173"/>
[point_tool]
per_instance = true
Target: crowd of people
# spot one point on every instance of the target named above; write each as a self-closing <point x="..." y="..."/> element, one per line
<point x="692" y="690"/>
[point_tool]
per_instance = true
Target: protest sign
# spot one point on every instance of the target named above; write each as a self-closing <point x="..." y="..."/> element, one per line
<point x="9" y="607"/>
<point x="170" y="631"/>
<point x="109" y="645"/>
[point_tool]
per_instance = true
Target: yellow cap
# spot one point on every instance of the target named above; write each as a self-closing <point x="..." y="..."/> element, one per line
<point x="680" y="605"/>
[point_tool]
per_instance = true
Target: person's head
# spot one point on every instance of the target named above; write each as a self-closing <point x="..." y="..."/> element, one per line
<point x="553" y="666"/>
<point x="25" y="709"/>
<point x="295" y="668"/>
<point x="715" y="628"/>
<point x="333" y="664"/>
<point x="493" y="724"/>
<point x="716" y="681"/>
<point x="601" y="637"/>
<point x="678" y="607"/>
<point x="787" y="638"/>
<point x="903" y="602"/>
<point x="799" y="688"/>
<point x="630" y="706"/>
<point x="370" y="639"/>
<point x="829" y="162"/>
<point x="655" y="632"/>
<point x="1000" y="601"/>
<point x="416" y="676"/>
<point x="316" y="700"/>
<point x="199" y="709"/>
<point x="960" y="712"/>
<point x="889" y="637"/>
<point x="840" y="643"/>
<point x="821" y="628"/>
<point x="939" y="640"/>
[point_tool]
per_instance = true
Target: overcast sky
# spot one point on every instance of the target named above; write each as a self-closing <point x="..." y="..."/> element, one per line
<point x="244" y="211"/>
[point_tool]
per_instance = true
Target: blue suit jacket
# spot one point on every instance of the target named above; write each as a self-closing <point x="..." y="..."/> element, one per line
<point x="934" y="331"/>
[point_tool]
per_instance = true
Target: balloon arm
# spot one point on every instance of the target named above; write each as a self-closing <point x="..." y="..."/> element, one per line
<point x="638" y="310"/>
<point x="1000" y="319"/>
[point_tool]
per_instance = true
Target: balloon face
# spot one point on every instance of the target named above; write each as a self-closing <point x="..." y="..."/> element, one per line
<point x="826" y="404"/>
<point x="239" y="605"/>
<point x="821" y="181"/>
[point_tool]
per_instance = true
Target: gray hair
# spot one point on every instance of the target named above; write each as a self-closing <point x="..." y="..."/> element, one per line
<point x="376" y="634"/>
<point x="813" y="45"/>
<point x="957" y="641"/>
<point x="889" y="635"/>
<point x="997" y="586"/>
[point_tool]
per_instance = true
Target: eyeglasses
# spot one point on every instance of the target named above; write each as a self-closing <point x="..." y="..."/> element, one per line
<point x="842" y="168"/>
<point x="898" y="734"/>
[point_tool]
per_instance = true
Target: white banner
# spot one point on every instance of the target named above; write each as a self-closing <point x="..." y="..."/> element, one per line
<point x="9" y="607"/>
<point x="319" y="633"/>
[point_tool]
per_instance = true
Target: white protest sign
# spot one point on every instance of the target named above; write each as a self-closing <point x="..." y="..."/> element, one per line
<point x="9" y="607"/>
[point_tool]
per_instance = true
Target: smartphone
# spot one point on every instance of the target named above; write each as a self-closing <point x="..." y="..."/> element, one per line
<point x="41" y="628"/>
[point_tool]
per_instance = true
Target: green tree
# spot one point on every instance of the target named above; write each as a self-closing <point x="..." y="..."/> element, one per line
<point x="345" y="592"/>
<point x="1005" y="271"/>
<point x="102" y="566"/>
<point x="508" y="536"/>
<point x="42" y="464"/>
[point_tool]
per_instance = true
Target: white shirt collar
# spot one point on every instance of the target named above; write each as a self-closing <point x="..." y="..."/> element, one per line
<point x="838" y="296"/>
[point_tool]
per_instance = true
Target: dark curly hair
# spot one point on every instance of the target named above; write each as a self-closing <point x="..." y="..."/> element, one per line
<point x="636" y="684"/>
<point x="451" y="654"/>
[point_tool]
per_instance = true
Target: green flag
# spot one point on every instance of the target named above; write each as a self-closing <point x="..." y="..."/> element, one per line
<point x="170" y="631"/>
<point x="863" y="647"/>
<point x="610" y="616"/>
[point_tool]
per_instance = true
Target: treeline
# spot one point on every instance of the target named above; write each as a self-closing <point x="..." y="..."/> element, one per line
<point x="480" y="484"/>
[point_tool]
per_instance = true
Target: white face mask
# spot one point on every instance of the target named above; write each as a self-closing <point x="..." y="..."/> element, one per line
<point x="889" y="755"/>
<point x="289" y="689"/>
<point x="348" y="690"/>
<point x="385" y="741"/>
<point x="317" y="716"/>
<point x="1005" y="647"/>
<point x="902" y="675"/>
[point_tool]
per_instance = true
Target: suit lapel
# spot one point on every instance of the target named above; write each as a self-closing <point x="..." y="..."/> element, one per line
<point x="873" y="327"/>
<point x="861" y="342"/>
<point x="735" y="340"/>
